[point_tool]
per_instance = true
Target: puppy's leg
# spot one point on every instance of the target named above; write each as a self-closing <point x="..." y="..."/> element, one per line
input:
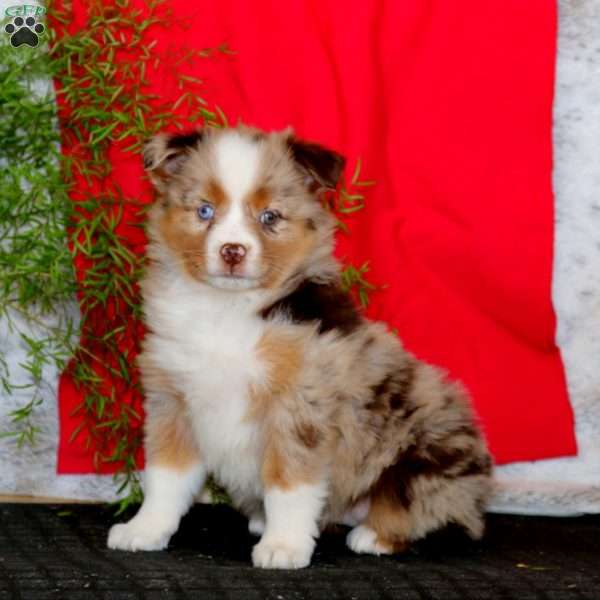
<point x="291" y="528"/>
<point x="292" y="510"/>
<point x="174" y="474"/>
<point x="168" y="496"/>
<point x="405" y="510"/>
<point x="386" y="530"/>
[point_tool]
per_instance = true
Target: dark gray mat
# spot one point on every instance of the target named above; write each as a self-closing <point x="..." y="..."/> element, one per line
<point x="59" y="552"/>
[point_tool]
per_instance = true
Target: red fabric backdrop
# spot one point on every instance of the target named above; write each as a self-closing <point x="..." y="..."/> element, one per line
<point x="449" y="106"/>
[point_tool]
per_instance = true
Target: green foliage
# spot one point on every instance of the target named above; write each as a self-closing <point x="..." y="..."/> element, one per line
<point x="354" y="281"/>
<point x="35" y="263"/>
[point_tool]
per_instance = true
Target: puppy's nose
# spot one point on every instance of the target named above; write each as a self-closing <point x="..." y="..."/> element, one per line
<point x="233" y="254"/>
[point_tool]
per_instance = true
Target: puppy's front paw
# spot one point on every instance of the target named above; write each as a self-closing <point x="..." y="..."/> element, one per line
<point x="282" y="554"/>
<point x="139" y="534"/>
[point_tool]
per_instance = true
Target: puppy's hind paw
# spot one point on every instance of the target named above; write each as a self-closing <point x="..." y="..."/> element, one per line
<point x="363" y="540"/>
<point x="138" y="534"/>
<point x="281" y="554"/>
<point x="256" y="525"/>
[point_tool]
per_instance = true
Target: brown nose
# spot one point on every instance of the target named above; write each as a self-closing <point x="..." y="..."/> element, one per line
<point x="233" y="254"/>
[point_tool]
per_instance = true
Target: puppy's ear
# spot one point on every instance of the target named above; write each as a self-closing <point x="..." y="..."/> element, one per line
<point x="322" y="167"/>
<point x="165" y="154"/>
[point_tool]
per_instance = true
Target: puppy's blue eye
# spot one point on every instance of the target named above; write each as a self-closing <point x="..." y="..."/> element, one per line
<point x="269" y="217"/>
<point x="206" y="212"/>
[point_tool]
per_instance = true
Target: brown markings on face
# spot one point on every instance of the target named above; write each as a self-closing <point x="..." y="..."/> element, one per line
<point x="216" y="195"/>
<point x="182" y="232"/>
<point x="285" y="245"/>
<point x="285" y="254"/>
<point x="185" y="233"/>
<point x="259" y="199"/>
<point x="282" y="357"/>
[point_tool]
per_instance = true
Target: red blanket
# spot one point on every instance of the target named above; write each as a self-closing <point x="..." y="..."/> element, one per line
<point x="449" y="106"/>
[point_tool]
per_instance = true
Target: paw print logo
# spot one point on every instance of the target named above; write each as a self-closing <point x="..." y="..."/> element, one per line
<point x="24" y="31"/>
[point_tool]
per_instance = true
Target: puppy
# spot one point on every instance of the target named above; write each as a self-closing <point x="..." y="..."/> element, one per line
<point x="259" y="370"/>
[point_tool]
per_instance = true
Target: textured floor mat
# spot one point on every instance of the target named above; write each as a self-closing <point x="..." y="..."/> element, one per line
<point x="60" y="552"/>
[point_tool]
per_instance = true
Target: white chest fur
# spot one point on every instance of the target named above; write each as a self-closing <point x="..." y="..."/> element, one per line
<point x="206" y="340"/>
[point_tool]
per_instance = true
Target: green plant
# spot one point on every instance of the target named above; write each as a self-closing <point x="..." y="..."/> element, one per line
<point x="36" y="266"/>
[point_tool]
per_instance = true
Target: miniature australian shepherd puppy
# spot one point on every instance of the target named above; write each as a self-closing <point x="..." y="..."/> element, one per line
<point x="259" y="370"/>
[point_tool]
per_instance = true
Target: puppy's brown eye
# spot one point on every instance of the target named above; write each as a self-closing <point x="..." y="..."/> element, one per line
<point x="269" y="217"/>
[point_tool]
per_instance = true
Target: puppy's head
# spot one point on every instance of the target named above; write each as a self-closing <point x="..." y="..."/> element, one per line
<point x="239" y="209"/>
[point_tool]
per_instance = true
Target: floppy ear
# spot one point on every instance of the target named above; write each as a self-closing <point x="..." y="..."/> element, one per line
<point x="165" y="154"/>
<point x="321" y="166"/>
